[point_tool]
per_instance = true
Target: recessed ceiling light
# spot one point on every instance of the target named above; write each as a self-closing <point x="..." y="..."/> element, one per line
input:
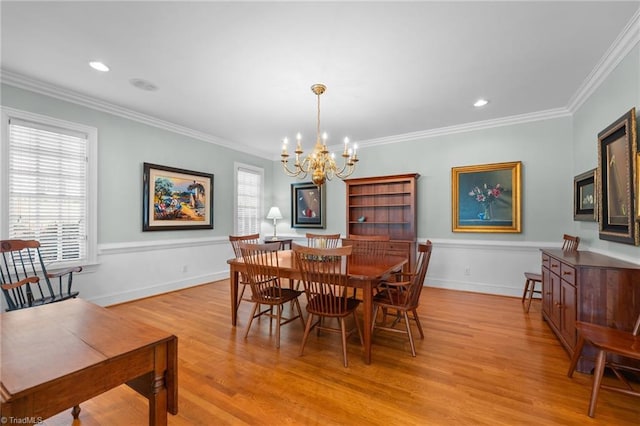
<point x="97" y="65"/>
<point x="480" y="103"/>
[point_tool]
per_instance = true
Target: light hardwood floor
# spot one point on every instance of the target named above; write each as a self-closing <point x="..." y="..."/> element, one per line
<point x="483" y="362"/>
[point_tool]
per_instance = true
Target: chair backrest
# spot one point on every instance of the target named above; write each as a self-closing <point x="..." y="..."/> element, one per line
<point x="262" y="265"/>
<point x="22" y="273"/>
<point x="322" y="240"/>
<point x="570" y="243"/>
<point x="325" y="276"/>
<point x="237" y="239"/>
<point x="368" y="247"/>
<point x="420" y="273"/>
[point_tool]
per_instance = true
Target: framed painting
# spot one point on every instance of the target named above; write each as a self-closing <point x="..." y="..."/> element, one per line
<point x="617" y="157"/>
<point x="637" y="183"/>
<point x="307" y="205"/>
<point x="584" y="196"/>
<point x="176" y="199"/>
<point x="486" y="198"/>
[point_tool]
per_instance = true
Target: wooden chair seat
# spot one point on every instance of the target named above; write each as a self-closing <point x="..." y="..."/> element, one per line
<point x="607" y="340"/>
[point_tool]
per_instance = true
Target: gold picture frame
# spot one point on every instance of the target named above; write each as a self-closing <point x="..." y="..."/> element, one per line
<point x="486" y="198"/>
<point x="617" y="158"/>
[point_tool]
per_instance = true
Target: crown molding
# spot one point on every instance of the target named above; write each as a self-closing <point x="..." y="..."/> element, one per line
<point x="628" y="38"/>
<point x="470" y="127"/>
<point x="48" y="89"/>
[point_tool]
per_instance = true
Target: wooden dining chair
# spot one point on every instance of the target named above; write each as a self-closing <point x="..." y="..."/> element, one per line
<point x="325" y="276"/>
<point x="403" y="297"/>
<point x="235" y="241"/>
<point x="607" y="341"/>
<point x="322" y="240"/>
<point x="24" y="279"/>
<point x="262" y="265"/>
<point x="569" y="244"/>
<point x="368" y="248"/>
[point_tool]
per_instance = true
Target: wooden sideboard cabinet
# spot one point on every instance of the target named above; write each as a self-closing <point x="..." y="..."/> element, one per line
<point x="588" y="287"/>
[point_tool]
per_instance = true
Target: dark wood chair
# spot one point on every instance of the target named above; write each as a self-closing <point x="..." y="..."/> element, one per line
<point x="367" y="248"/>
<point x="322" y="240"/>
<point x="324" y="274"/>
<point x="262" y="265"/>
<point x="569" y="244"/>
<point x="607" y="341"/>
<point x="235" y="241"/>
<point x="24" y="279"/>
<point x="403" y="297"/>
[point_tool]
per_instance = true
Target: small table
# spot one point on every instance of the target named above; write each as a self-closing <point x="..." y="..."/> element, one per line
<point x="285" y="243"/>
<point x="57" y="356"/>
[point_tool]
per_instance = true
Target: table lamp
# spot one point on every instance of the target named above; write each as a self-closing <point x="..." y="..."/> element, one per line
<point x="274" y="213"/>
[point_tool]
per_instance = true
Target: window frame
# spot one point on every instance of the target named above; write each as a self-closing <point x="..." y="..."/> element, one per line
<point x="237" y="166"/>
<point x="91" y="182"/>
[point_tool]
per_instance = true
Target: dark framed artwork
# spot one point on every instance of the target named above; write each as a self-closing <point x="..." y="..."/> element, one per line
<point x="585" y="197"/>
<point x="176" y="199"/>
<point x="617" y="152"/>
<point x="486" y="198"/>
<point x="307" y="205"/>
<point x="637" y="183"/>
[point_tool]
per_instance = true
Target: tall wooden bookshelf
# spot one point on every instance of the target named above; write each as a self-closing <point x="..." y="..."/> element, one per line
<point x="384" y="205"/>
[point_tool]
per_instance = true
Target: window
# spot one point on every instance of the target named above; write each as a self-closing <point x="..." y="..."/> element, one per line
<point x="248" y="199"/>
<point x="48" y="186"/>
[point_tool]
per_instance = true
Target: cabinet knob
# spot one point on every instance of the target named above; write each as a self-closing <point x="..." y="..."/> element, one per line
<point x="554" y="265"/>
<point x="567" y="273"/>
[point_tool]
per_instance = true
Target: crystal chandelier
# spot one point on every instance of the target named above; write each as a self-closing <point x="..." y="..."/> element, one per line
<point x="320" y="164"/>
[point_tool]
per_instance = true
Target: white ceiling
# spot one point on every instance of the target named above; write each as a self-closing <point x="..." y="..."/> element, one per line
<point x="240" y="72"/>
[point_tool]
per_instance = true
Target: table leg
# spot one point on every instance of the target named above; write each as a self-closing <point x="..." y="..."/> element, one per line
<point x="158" y="394"/>
<point x="233" y="282"/>
<point x="367" y="296"/>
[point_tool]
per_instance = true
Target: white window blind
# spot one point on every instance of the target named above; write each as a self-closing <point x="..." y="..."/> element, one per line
<point x="47" y="189"/>
<point x="248" y="200"/>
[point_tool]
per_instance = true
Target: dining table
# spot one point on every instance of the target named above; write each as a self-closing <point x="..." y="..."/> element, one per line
<point x="56" y="356"/>
<point x="365" y="272"/>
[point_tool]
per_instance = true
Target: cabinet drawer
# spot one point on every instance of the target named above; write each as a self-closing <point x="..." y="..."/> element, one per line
<point x="545" y="261"/>
<point x="568" y="274"/>
<point x="554" y="265"/>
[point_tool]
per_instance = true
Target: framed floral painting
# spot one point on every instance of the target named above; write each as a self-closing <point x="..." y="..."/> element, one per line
<point x="486" y="198"/>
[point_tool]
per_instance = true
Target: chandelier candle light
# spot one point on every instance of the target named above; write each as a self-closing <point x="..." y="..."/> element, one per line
<point x="320" y="164"/>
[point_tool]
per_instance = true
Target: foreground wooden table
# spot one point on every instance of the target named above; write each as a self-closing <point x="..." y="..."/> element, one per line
<point x="56" y="356"/>
<point x="364" y="273"/>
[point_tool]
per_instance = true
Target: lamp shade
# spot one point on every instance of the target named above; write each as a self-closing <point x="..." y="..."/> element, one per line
<point x="274" y="213"/>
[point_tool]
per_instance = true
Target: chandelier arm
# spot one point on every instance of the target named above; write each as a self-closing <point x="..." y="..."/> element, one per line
<point x="289" y="171"/>
<point x="350" y="168"/>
